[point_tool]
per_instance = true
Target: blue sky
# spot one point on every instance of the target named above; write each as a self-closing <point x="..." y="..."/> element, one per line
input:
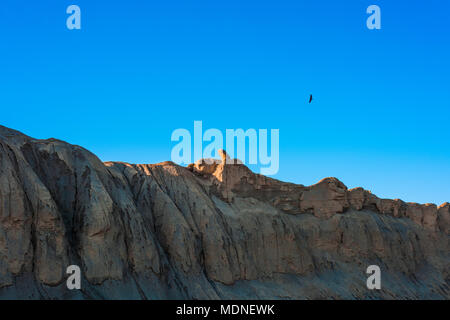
<point x="137" y="70"/>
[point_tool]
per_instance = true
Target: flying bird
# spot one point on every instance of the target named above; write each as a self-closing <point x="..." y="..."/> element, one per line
<point x="310" y="98"/>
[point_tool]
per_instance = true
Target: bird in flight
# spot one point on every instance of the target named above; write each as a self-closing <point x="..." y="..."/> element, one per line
<point x="310" y="98"/>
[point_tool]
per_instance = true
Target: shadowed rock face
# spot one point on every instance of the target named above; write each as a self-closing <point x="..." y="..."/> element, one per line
<point x="208" y="231"/>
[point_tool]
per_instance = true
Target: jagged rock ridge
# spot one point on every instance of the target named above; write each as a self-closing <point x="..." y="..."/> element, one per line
<point x="208" y="231"/>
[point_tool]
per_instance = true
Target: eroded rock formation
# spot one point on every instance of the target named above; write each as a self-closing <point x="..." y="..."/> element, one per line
<point x="209" y="231"/>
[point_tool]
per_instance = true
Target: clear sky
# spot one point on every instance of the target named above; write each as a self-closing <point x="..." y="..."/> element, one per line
<point x="137" y="70"/>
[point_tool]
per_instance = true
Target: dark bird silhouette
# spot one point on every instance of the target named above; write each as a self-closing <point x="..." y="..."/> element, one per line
<point x="310" y="98"/>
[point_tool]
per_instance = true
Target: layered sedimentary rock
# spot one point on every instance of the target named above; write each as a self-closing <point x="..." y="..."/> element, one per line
<point x="209" y="231"/>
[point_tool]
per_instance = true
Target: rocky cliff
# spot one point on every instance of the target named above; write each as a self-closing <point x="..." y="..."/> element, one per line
<point x="208" y="231"/>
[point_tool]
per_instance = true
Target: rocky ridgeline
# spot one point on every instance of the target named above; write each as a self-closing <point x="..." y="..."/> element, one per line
<point x="324" y="199"/>
<point x="208" y="231"/>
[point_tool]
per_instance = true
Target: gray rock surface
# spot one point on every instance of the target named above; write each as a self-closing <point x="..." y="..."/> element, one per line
<point x="208" y="231"/>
